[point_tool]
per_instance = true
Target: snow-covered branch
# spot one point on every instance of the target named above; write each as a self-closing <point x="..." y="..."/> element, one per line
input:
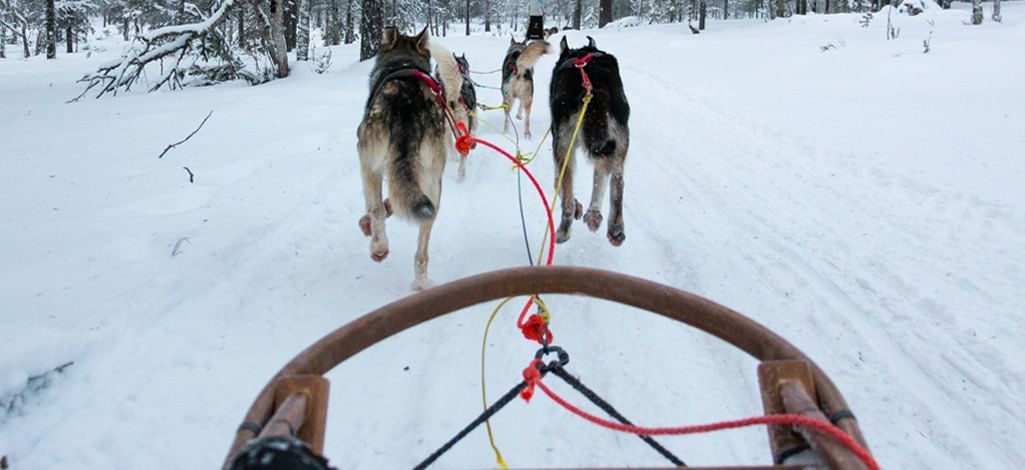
<point x="149" y="47"/>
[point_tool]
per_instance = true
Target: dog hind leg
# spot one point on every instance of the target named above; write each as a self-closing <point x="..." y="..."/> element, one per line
<point x="372" y="224"/>
<point x="526" y="104"/>
<point x="507" y="101"/>
<point x="616" y="233"/>
<point x="434" y="167"/>
<point x="601" y="178"/>
<point x="571" y="208"/>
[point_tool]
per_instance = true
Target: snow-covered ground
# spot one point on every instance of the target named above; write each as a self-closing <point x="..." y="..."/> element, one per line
<point x="864" y="201"/>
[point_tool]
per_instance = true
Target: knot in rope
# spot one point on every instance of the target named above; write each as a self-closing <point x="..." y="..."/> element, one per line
<point x="580" y="64"/>
<point x="536" y="329"/>
<point x="531" y="375"/>
<point x="464" y="141"/>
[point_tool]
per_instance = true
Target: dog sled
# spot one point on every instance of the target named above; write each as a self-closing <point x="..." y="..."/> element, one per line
<point x="809" y="422"/>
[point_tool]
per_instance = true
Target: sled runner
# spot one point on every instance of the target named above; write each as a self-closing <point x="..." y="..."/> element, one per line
<point x="799" y="399"/>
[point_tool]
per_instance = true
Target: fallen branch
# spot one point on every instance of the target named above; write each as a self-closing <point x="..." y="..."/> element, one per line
<point x="34" y="384"/>
<point x="152" y="46"/>
<point x="178" y="245"/>
<point x="192" y="178"/>
<point x="169" y="147"/>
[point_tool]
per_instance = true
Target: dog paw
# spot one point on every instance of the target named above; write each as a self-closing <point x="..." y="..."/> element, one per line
<point x="364" y="225"/>
<point x="378" y="252"/>
<point x="561" y="236"/>
<point x="616" y="235"/>
<point x="422" y="283"/>
<point x="593" y="220"/>
<point x="578" y="209"/>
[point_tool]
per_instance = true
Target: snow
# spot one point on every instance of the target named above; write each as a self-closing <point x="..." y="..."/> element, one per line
<point x="864" y="202"/>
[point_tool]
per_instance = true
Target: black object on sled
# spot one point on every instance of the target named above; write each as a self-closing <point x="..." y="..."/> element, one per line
<point x="536" y="27"/>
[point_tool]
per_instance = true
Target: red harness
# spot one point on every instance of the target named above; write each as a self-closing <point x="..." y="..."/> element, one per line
<point x="462" y="135"/>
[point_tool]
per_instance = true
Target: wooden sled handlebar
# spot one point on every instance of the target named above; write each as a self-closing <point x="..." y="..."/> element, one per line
<point x="705" y="315"/>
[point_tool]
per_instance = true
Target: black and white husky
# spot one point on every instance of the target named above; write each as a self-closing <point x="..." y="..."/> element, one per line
<point x="518" y="78"/>
<point x="404" y="135"/>
<point x="604" y="137"/>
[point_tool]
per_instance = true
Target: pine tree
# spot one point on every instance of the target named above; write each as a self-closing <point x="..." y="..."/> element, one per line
<point x="371" y="27"/>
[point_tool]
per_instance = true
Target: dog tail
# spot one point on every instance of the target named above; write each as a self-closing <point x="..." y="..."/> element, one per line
<point x="404" y="191"/>
<point x="531" y="54"/>
<point x="451" y="79"/>
<point x="596" y="126"/>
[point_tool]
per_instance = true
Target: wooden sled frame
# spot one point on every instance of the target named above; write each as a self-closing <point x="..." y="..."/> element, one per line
<point x="790" y="381"/>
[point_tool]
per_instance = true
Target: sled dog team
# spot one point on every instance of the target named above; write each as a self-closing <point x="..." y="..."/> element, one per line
<point x="404" y="134"/>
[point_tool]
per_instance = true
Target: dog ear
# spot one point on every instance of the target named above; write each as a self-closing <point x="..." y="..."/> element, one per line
<point x="389" y="38"/>
<point x="421" y="41"/>
<point x="512" y="39"/>
<point x="590" y="42"/>
<point x="563" y="45"/>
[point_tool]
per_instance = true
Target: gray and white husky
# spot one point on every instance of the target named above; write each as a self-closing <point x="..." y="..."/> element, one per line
<point x="404" y="135"/>
<point x="604" y="137"/>
<point x="518" y="78"/>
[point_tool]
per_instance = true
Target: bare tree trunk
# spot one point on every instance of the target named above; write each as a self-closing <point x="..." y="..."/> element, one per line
<point x="350" y="31"/>
<point x="69" y="39"/>
<point x="291" y="23"/>
<point x="467" y="17"/>
<point x="604" y="13"/>
<point x="242" y="27"/>
<point x="726" y="9"/>
<point x="486" y="5"/>
<point x="51" y="30"/>
<point x="770" y="8"/>
<point x="279" y="48"/>
<point x="578" y="11"/>
<point x="302" y="46"/>
<point x="996" y="11"/>
<point x="3" y="42"/>
<point x="370" y="29"/>
<point x="181" y="12"/>
<point x="701" y="15"/>
<point x="976" y="12"/>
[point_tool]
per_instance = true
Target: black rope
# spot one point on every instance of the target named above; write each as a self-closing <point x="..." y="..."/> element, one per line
<point x="836" y="416"/>
<point x="488" y="413"/>
<point x="523" y="220"/>
<point x="605" y="406"/>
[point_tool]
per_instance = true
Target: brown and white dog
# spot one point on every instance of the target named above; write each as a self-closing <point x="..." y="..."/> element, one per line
<point x="404" y="135"/>
<point x="518" y="78"/>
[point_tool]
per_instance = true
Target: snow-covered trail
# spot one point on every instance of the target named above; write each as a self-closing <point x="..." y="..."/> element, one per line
<point x="745" y="184"/>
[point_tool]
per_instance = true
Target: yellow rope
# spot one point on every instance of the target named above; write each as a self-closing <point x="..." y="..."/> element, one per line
<point x="503" y="134"/>
<point x="562" y="171"/>
<point x="483" y="387"/>
<point x="545" y="313"/>
<point x="526" y="161"/>
<point x="485" y="107"/>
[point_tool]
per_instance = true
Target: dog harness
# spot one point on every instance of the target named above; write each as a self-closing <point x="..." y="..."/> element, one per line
<point x="580" y="63"/>
<point x="408" y="70"/>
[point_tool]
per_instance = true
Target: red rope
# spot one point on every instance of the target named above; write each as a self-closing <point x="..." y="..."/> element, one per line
<point x="783" y="419"/>
<point x="580" y="64"/>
